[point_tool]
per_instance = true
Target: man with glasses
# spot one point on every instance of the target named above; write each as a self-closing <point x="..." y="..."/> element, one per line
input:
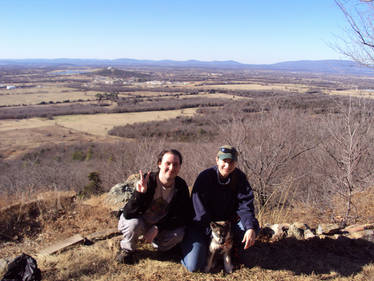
<point x="220" y="193"/>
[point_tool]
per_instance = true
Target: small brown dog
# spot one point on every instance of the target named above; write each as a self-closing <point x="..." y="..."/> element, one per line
<point x="221" y="243"/>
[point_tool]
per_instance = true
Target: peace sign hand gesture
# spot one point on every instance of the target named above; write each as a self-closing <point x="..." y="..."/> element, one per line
<point x="141" y="185"/>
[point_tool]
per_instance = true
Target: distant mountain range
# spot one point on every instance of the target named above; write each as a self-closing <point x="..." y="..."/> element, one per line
<point x="313" y="66"/>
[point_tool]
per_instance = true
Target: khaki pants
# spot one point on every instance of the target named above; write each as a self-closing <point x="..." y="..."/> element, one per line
<point x="133" y="228"/>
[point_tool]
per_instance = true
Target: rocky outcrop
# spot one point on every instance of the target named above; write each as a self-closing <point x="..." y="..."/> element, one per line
<point x="301" y="231"/>
<point x="119" y="194"/>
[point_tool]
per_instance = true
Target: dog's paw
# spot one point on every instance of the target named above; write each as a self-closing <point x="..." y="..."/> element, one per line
<point x="207" y="269"/>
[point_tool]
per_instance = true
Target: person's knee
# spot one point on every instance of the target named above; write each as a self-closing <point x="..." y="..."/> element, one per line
<point x="194" y="258"/>
<point x="192" y="265"/>
<point x="129" y="225"/>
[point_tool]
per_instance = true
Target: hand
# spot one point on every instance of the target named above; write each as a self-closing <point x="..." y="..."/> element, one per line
<point x="151" y="234"/>
<point x="249" y="238"/>
<point x="141" y="185"/>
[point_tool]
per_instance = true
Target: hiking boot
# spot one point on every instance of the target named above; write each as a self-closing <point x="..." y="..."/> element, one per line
<point x="124" y="256"/>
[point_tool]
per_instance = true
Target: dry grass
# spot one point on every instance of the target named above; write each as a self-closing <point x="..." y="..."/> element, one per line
<point x="19" y="136"/>
<point x="287" y="259"/>
<point x="45" y="93"/>
<point x="354" y="93"/>
<point x="105" y="122"/>
<point x="260" y="87"/>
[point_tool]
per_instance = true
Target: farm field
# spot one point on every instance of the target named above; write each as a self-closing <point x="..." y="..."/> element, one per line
<point x="17" y="136"/>
<point x="43" y="94"/>
<point x="300" y="88"/>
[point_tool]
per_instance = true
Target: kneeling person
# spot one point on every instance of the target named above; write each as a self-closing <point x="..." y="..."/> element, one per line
<point x="159" y="209"/>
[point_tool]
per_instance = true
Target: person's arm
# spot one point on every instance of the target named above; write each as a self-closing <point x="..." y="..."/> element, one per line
<point x="139" y="201"/>
<point x="246" y="211"/>
<point x="199" y="198"/>
<point x="151" y="234"/>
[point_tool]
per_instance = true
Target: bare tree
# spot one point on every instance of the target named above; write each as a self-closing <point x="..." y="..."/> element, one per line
<point x="359" y="44"/>
<point x="348" y="153"/>
<point x="269" y="145"/>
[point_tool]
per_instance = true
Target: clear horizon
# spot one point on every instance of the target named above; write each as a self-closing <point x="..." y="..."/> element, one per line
<point x="249" y="32"/>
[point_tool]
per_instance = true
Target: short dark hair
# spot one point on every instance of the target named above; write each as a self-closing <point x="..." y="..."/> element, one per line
<point x="172" y="151"/>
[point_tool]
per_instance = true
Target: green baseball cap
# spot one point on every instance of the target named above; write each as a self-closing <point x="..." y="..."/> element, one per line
<point x="227" y="152"/>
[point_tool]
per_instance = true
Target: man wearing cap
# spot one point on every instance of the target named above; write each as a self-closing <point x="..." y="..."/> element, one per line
<point x="220" y="193"/>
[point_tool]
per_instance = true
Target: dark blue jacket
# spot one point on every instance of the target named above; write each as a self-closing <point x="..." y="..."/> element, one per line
<point x="215" y="202"/>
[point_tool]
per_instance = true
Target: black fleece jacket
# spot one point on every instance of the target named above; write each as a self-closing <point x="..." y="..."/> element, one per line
<point x="180" y="210"/>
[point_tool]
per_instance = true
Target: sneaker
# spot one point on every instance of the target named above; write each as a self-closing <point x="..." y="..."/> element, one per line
<point x="154" y="245"/>
<point x="124" y="256"/>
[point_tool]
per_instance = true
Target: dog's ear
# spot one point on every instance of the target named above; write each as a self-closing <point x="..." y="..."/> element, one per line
<point x="228" y="225"/>
<point x="213" y="224"/>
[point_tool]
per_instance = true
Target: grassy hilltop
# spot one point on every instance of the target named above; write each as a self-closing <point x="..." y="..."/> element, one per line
<point x="305" y="143"/>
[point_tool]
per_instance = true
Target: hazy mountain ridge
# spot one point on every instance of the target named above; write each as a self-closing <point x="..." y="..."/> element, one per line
<point x="320" y="66"/>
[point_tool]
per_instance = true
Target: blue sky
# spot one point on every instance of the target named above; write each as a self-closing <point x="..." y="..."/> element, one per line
<point x="247" y="31"/>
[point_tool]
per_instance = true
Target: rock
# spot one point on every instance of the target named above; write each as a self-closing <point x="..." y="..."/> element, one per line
<point x="300" y="231"/>
<point x="367" y="235"/>
<point x="119" y="194"/>
<point x="353" y="228"/>
<point x="358" y="227"/>
<point x="369" y="226"/>
<point x="328" y="229"/>
<point x="265" y="233"/>
<point x="295" y="231"/>
<point x="308" y="234"/>
<point x="280" y="231"/>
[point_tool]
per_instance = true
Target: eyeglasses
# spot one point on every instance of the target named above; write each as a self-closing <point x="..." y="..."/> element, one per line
<point x="228" y="150"/>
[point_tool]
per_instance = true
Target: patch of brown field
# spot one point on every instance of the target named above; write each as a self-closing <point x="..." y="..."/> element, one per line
<point x="353" y="93"/>
<point x="180" y="95"/>
<point x="45" y="93"/>
<point x="20" y="136"/>
<point x="105" y="122"/>
<point x="16" y="142"/>
<point x="259" y="87"/>
<point x="216" y="95"/>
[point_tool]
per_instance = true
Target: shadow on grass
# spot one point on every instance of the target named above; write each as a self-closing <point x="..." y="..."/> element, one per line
<point x="173" y="255"/>
<point x="320" y="256"/>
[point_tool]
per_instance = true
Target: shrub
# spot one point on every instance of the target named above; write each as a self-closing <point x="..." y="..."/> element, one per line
<point x="94" y="187"/>
<point x="79" y="155"/>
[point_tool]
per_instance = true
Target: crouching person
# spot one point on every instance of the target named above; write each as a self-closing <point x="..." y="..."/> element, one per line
<point x="159" y="209"/>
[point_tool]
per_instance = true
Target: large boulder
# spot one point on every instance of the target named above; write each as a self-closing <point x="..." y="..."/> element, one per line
<point x="119" y="194"/>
